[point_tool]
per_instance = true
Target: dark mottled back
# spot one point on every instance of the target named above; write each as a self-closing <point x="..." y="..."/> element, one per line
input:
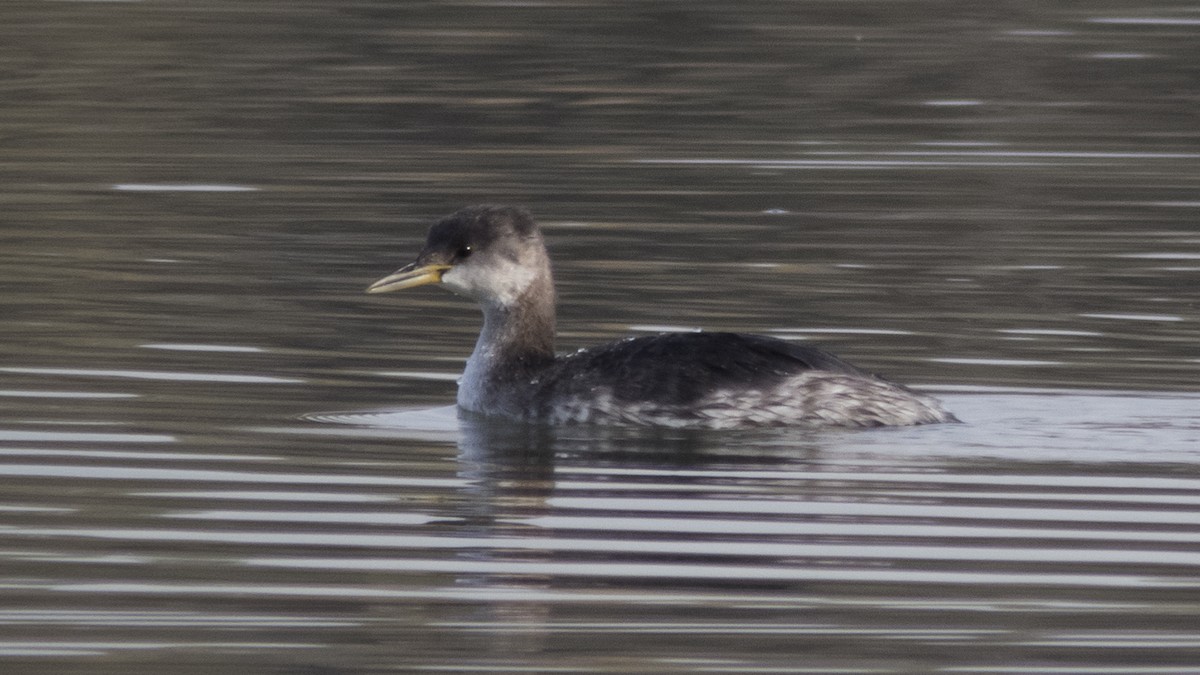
<point x="680" y="368"/>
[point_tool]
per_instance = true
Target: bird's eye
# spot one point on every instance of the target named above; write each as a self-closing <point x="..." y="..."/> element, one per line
<point x="464" y="252"/>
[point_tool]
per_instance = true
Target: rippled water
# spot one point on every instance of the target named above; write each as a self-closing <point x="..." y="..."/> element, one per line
<point x="217" y="453"/>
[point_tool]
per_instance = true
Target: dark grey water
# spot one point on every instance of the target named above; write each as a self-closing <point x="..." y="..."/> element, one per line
<point x="216" y="453"/>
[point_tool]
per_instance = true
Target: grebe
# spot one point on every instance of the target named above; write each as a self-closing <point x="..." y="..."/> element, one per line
<point x="496" y="256"/>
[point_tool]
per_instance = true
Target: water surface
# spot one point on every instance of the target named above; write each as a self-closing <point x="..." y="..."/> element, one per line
<point x="216" y="452"/>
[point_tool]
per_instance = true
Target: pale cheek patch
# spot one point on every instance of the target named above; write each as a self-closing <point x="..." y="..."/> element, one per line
<point x="501" y="283"/>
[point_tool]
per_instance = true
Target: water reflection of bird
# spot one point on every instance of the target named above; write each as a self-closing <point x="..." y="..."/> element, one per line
<point x="496" y="256"/>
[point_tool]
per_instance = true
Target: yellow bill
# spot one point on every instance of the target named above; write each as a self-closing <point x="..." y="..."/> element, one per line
<point x="409" y="276"/>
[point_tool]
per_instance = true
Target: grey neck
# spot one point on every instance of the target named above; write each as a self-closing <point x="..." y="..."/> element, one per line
<point x="515" y="344"/>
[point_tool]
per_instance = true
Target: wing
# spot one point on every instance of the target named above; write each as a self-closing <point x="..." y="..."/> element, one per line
<point x="680" y="368"/>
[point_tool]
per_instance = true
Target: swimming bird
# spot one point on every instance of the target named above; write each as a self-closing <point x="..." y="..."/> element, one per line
<point x="496" y="256"/>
